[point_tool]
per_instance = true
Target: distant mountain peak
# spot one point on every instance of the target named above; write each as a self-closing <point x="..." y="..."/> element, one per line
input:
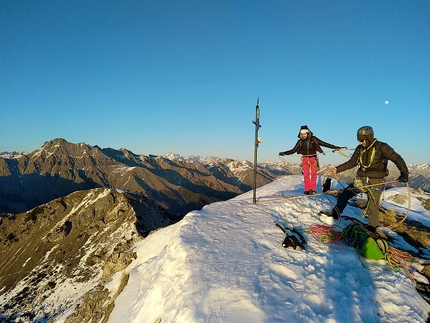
<point x="205" y="160"/>
<point x="173" y="156"/>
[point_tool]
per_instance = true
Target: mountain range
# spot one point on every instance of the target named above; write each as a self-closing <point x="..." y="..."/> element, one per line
<point x="59" y="168"/>
<point x="177" y="184"/>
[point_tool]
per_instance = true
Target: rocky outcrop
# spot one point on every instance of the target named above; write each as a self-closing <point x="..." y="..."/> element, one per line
<point x="66" y="251"/>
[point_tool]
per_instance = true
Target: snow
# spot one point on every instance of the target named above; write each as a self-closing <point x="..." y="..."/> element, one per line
<point x="191" y="159"/>
<point x="226" y="263"/>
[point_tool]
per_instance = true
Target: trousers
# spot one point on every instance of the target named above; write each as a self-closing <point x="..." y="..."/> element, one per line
<point x="310" y="170"/>
<point x="373" y="191"/>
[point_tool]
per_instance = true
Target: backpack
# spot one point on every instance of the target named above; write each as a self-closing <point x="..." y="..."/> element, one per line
<point x="355" y="235"/>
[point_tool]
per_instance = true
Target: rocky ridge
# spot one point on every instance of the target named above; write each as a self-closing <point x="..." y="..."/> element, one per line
<point x="59" y="257"/>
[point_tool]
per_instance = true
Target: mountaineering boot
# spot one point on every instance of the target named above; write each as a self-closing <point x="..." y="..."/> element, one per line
<point x="331" y="213"/>
<point x="306" y="192"/>
<point x="326" y="185"/>
<point x="312" y="192"/>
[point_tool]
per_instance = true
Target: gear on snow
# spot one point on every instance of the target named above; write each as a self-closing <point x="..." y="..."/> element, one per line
<point x="357" y="236"/>
<point x="291" y="241"/>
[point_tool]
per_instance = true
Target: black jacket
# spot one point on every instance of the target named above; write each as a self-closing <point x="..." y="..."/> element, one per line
<point x="311" y="149"/>
<point x="376" y="166"/>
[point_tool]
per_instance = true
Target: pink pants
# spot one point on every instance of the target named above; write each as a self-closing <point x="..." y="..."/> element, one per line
<point x="310" y="170"/>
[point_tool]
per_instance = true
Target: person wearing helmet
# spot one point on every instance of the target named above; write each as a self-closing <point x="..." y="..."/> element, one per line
<point x="372" y="157"/>
<point x="308" y="145"/>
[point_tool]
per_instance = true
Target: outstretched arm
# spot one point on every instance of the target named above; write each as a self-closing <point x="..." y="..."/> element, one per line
<point x="326" y="144"/>
<point x="291" y="151"/>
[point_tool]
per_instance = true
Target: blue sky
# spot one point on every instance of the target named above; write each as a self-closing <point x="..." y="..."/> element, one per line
<point x="184" y="76"/>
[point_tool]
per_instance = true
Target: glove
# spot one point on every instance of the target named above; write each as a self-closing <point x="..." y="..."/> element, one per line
<point x="282" y="153"/>
<point x="403" y="178"/>
<point x="339" y="148"/>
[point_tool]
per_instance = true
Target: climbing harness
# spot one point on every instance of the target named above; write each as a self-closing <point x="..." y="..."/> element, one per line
<point x="372" y="155"/>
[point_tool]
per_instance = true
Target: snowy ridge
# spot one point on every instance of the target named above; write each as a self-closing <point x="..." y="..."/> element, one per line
<point x="225" y="263"/>
<point x="420" y="166"/>
<point x="191" y="159"/>
<point x="13" y="155"/>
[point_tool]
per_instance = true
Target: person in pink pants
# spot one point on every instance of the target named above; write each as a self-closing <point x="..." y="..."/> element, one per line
<point x="308" y="146"/>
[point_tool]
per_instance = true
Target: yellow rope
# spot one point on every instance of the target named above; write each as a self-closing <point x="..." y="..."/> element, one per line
<point x="372" y="156"/>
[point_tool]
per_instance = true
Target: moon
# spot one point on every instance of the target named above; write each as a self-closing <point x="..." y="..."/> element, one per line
<point x="386" y="101"/>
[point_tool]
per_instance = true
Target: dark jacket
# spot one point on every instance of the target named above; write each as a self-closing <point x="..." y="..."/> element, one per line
<point x="311" y="148"/>
<point x="376" y="168"/>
